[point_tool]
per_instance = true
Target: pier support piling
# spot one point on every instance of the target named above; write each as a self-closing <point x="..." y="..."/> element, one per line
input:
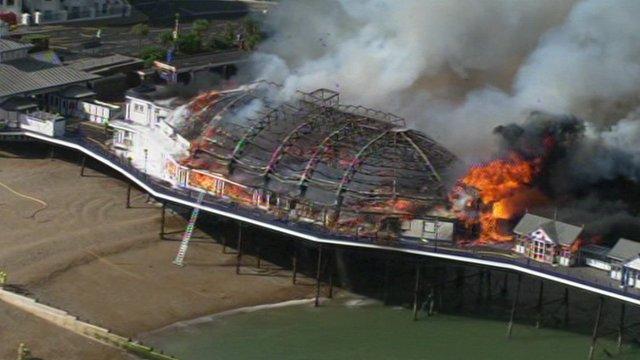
<point x="239" y="254"/>
<point x="163" y="220"/>
<point x="460" y="286"/>
<point x="565" y="302"/>
<point x="505" y="284"/>
<point x="480" y="286"/>
<point x="387" y="274"/>
<point x="294" y="260"/>
<point x="489" y="296"/>
<point x="416" y="293"/>
<point x="621" y="326"/>
<point x="128" y="195"/>
<point x="594" y="335"/>
<point x="539" y="305"/>
<point x="82" y="165"/>
<point x="513" y="307"/>
<point x="318" y="273"/>
<point x="331" y="271"/>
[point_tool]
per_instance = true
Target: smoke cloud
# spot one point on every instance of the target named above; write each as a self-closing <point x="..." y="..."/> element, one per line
<point x="458" y="69"/>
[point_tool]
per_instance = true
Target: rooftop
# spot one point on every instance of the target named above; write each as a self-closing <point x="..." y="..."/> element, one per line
<point x="625" y="249"/>
<point x="10" y="45"/>
<point x="30" y="75"/>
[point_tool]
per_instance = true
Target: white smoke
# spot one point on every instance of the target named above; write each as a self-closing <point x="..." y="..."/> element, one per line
<point x="457" y="68"/>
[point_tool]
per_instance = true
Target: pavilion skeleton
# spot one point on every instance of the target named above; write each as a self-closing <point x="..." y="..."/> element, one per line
<point x="313" y="159"/>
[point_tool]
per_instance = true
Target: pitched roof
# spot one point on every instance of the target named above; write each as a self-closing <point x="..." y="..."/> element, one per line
<point x="559" y="232"/>
<point x="625" y="249"/>
<point x="595" y="250"/>
<point x="10" y="45"/>
<point x="530" y="223"/>
<point x="30" y="75"/>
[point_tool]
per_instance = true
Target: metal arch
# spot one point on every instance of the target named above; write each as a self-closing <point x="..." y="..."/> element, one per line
<point x="320" y="149"/>
<point x="284" y="145"/>
<point x="422" y="155"/>
<point x="356" y="162"/>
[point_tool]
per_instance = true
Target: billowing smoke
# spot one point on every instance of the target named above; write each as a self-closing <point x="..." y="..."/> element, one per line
<point x="458" y="69"/>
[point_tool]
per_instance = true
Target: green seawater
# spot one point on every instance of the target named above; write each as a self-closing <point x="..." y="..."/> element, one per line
<point x="337" y="331"/>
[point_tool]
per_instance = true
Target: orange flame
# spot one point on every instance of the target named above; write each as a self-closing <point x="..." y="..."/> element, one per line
<point x="505" y="191"/>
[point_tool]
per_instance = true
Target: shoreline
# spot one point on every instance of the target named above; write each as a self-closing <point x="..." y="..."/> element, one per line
<point x="89" y="255"/>
<point x="241" y="310"/>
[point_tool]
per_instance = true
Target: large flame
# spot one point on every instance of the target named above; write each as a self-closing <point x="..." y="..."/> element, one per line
<point x="502" y="190"/>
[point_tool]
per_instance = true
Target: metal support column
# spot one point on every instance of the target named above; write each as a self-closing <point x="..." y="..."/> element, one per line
<point x="489" y="285"/>
<point x="539" y="305"/>
<point x="416" y="291"/>
<point x="331" y="271"/>
<point x="163" y="220"/>
<point x="513" y="307"/>
<point x="505" y="284"/>
<point x="239" y="254"/>
<point x="83" y="164"/>
<point x="621" y="325"/>
<point x="387" y="274"/>
<point x="318" y="273"/>
<point x="294" y="260"/>
<point x="565" y="302"/>
<point x="128" y="195"/>
<point x="594" y="336"/>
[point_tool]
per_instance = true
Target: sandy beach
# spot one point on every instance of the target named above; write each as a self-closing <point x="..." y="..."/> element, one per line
<point x="71" y="243"/>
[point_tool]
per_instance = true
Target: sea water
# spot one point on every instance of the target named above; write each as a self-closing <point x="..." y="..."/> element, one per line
<point x="353" y="330"/>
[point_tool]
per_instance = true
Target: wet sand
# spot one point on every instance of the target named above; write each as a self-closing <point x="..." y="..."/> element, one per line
<point x="89" y="255"/>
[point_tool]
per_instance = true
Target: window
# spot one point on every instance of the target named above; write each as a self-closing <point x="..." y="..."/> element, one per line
<point x="138" y="108"/>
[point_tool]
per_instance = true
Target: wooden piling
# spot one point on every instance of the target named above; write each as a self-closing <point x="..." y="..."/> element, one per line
<point x="416" y="291"/>
<point x="594" y="335"/>
<point x="513" y="307"/>
<point x="318" y="273"/>
<point x="239" y="254"/>
<point x="539" y="305"/>
<point x="621" y="326"/>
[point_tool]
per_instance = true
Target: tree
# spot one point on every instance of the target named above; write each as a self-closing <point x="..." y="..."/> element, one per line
<point x="166" y="38"/>
<point x="190" y="43"/>
<point x="253" y="34"/>
<point x="140" y="30"/>
<point x="200" y="26"/>
<point x="151" y="53"/>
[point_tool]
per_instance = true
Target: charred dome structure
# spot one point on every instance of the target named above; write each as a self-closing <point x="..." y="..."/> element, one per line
<point x="348" y="168"/>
